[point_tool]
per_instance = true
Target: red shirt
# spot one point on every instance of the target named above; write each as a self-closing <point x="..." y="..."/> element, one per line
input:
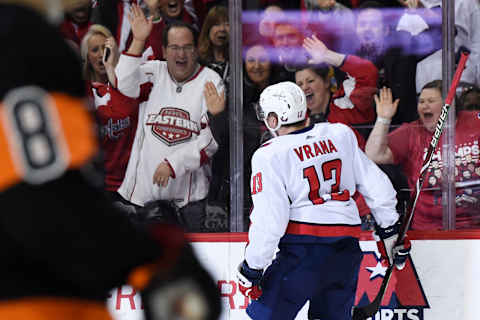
<point x="352" y="103"/>
<point x="117" y="117"/>
<point x="409" y="144"/>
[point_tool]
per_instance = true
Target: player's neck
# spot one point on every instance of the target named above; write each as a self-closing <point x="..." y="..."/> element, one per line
<point x="286" y="130"/>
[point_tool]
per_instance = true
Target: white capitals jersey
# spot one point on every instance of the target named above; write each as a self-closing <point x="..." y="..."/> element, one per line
<point x="172" y="126"/>
<point x="302" y="183"/>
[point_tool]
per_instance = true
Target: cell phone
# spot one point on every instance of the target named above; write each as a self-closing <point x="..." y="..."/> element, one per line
<point x="106" y="54"/>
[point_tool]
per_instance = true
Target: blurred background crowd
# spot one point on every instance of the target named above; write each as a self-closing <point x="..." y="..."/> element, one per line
<point x="158" y="73"/>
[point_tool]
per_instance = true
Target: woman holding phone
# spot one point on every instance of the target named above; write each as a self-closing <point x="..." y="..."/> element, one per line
<point x="117" y="114"/>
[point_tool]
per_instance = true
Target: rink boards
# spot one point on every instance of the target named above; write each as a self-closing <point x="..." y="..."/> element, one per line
<point x="440" y="281"/>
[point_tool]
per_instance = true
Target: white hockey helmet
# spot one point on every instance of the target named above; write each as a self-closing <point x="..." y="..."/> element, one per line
<point x="286" y="100"/>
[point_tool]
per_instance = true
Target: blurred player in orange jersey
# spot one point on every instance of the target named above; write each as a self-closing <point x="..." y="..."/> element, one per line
<point x="64" y="246"/>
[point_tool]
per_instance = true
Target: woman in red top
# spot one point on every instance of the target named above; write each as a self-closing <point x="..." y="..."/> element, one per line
<point x="117" y="114"/>
<point x="407" y="145"/>
<point x="351" y="103"/>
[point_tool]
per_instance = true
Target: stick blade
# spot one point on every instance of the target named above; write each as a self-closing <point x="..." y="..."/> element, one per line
<point x="365" y="312"/>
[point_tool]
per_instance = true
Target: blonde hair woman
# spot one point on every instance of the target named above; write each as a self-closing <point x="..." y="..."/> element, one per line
<point x="92" y="48"/>
<point x="117" y="114"/>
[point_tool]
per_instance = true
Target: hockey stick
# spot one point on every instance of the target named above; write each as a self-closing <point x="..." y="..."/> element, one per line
<point x="364" y="312"/>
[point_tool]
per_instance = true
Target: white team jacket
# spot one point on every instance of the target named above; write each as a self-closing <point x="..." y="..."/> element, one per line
<point x="306" y="179"/>
<point x="172" y="126"/>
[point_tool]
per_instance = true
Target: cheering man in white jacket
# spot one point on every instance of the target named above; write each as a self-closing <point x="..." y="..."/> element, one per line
<point x="171" y="154"/>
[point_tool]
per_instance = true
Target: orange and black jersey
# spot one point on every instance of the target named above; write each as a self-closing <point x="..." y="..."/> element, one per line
<point x="42" y="135"/>
<point x="60" y="237"/>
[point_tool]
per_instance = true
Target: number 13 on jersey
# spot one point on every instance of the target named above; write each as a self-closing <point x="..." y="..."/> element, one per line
<point x="257" y="185"/>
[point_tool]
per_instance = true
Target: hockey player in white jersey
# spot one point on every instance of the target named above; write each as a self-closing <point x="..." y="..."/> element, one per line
<point x="302" y="182"/>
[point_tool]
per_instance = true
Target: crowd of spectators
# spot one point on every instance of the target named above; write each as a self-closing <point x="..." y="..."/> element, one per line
<point x="161" y="95"/>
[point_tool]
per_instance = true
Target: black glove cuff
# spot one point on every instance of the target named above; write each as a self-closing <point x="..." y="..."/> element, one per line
<point x="254" y="275"/>
<point x="387" y="232"/>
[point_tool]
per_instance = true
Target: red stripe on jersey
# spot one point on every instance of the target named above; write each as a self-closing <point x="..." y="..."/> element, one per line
<point x="203" y="157"/>
<point x="196" y="74"/>
<point x="323" y="230"/>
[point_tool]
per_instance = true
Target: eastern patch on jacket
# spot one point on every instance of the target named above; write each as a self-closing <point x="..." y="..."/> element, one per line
<point x="172" y="125"/>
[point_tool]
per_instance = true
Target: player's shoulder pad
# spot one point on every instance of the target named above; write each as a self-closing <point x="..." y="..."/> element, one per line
<point x="339" y="125"/>
<point x="344" y="130"/>
<point x="341" y="128"/>
<point x="266" y="143"/>
<point x="264" y="152"/>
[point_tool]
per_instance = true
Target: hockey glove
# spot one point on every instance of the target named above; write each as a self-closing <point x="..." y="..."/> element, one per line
<point x="249" y="281"/>
<point x="386" y="242"/>
<point x="180" y="287"/>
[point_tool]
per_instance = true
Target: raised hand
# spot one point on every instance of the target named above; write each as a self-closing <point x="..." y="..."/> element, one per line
<point x="215" y="102"/>
<point x="316" y="48"/>
<point x="386" y="107"/>
<point x="112" y="60"/>
<point x="141" y="26"/>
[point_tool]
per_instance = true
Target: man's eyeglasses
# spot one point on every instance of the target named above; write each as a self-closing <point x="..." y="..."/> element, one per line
<point x="187" y="49"/>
